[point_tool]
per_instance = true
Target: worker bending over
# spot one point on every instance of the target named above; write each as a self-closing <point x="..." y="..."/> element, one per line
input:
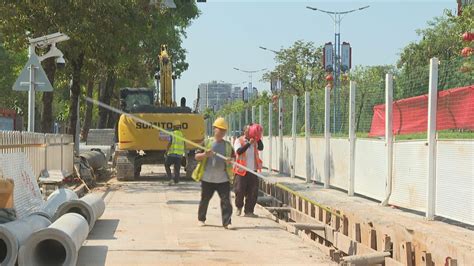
<point x="174" y="153"/>
<point x="215" y="173"/>
<point x="246" y="183"/>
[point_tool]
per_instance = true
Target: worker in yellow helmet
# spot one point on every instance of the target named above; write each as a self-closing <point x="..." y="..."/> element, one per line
<point x="174" y="153"/>
<point x="215" y="173"/>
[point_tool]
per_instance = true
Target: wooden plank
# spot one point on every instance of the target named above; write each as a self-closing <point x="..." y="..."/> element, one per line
<point x="451" y="262"/>
<point x="366" y="259"/>
<point x="392" y="262"/>
<point x="278" y="209"/>
<point x="327" y="217"/>
<point x="356" y="232"/>
<point x="424" y="259"/>
<point x="386" y="244"/>
<point x="308" y="226"/>
<point x="313" y="211"/>
<point x="345" y="226"/>
<point x="373" y="239"/>
<point x="320" y="213"/>
<point x="406" y="254"/>
<point x="350" y="247"/>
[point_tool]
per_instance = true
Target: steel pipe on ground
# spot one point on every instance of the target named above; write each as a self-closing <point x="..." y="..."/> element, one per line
<point x="95" y="158"/>
<point x="56" y="199"/>
<point x="14" y="234"/>
<point x="91" y="207"/>
<point x="58" y="244"/>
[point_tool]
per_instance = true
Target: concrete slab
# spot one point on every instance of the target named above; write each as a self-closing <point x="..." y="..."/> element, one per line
<point x="150" y="223"/>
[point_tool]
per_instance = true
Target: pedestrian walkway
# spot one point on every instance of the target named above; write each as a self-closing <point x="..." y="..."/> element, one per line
<point x="150" y="223"/>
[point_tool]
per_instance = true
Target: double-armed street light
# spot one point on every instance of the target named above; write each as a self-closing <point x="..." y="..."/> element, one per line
<point x="333" y="59"/>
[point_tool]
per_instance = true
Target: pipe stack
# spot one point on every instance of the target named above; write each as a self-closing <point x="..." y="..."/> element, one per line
<point x="58" y="244"/>
<point x="34" y="240"/>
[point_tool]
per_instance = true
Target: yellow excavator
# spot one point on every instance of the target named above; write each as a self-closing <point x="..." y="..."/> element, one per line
<point x="139" y="143"/>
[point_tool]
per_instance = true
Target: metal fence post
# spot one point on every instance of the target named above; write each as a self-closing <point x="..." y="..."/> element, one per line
<point x="280" y="135"/>
<point x="246" y="116"/>
<point x="260" y="115"/>
<point x="432" y="106"/>
<point x="388" y="136"/>
<point x="307" y="135"/>
<point x="327" y="135"/>
<point x="293" y="135"/>
<point x="240" y="121"/>
<point x="352" y="138"/>
<point x="253" y="114"/>
<point x="270" y="137"/>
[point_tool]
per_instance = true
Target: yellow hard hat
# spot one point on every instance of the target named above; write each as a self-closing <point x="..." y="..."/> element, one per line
<point x="176" y="123"/>
<point x="220" y="123"/>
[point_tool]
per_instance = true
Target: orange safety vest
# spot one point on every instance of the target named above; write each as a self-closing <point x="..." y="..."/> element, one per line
<point x="242" y="159"/>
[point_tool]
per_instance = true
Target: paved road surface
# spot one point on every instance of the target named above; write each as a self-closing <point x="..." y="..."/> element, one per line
<point x="149" y="223"/>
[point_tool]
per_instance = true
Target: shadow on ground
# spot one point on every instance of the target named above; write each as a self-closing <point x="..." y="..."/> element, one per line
<point x="104" y="229"/>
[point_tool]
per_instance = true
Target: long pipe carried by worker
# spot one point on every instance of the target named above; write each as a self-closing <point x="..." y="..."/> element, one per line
<point x="138" y="119"/>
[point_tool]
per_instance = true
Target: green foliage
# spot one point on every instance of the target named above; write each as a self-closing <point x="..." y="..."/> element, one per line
<point x="122" y="37"/>
<point x="10" y="66"/>
<point x="299" y="67"/>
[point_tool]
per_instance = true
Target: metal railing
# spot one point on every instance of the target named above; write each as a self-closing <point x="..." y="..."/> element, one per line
<point x="44" y="151"/>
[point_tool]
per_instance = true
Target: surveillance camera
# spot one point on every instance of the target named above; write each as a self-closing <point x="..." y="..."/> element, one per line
<point x="49" y="39"/>
<point x="60" y="62"/>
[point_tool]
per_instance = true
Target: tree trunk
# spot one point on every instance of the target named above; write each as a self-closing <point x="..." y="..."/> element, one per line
<point x="75" y="92"/>
<point x="47" y="115"/>
<point x="89" y="108"/>
<point x="112" y="117"/>
<point x="105" y="97"/>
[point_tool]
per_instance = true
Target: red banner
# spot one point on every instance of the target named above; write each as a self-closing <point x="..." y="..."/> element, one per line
<point x="410" y="115"/>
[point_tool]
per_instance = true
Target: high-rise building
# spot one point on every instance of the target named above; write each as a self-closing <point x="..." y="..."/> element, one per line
<point x="236" y="94"/>
<point x="214" y="95"/>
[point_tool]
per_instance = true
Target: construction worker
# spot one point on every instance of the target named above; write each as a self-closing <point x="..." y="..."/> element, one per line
<point x="215" y="173"/>
<point x="174" y="153"/>
<point x="246" y="183"/>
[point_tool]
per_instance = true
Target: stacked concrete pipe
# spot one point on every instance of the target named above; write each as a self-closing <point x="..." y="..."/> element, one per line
<point x="56" y="199"/>
<point x="58" y="244"/>
<point x="91" y="207"/>
<point x="14" y="234"/>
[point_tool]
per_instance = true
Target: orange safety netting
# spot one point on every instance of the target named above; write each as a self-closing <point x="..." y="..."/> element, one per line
<point x="410" y="115"/>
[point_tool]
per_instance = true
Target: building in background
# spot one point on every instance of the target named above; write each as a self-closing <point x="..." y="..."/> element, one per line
<point x="236" y="94"/>
<point x="214" y="95"/>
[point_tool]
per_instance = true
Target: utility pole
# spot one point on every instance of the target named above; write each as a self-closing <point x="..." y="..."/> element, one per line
<point x="250" y="72"/>
<point x="337" y="17"/>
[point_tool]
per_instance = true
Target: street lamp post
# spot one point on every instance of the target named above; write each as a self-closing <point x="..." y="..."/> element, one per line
<point x="278" y="85"/>
<point x="250" y="72"/>
<point x="337" y="17"/>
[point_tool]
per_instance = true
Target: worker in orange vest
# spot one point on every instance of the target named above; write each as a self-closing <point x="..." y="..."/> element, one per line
<point x="246" y="183"/>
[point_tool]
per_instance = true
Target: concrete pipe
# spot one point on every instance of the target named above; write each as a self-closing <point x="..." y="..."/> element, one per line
<point x="14" y="234"/>
<point x="55" y="200"/>
<point x="95" y="158"/>
<point x="91" y="207"/>
<point x="58" y="244"/>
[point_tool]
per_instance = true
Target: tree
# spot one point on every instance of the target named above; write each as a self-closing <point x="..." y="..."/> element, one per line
<point x="109" y="39"/>
<point x="441" y="39"/>
<point x="370" y="91"/>
<point x="299" y="68"/>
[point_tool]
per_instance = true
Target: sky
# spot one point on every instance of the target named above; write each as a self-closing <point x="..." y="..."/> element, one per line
<point x="228" y="34"/>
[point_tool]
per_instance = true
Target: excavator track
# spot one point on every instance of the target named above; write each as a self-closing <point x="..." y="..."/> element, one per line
<point x="125" y="166"/>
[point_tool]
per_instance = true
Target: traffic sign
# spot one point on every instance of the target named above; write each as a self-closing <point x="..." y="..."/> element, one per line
<point x="40" y="79"/>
